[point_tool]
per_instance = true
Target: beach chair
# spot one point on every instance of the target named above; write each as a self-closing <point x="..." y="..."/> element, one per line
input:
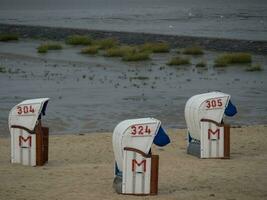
<point x="29" y="140"/>
<point x="136" y="168"/>
<point x="208" y="135"/>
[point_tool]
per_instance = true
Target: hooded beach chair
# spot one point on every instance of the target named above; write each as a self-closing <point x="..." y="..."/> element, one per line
<point x="208" y="135"/>
<point x="29" y="140"/>
<point x="136" y="168"/>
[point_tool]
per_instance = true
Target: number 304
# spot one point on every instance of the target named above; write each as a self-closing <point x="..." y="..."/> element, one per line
<point x="25" y="109"/>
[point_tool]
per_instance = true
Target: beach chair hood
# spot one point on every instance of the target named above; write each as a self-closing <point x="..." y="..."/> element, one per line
<point x="212" y="106"/>
<point x="27" y="113"/>
<point x="138" y="134"/>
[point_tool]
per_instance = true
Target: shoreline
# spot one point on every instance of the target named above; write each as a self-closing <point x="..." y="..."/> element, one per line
<point x="214" y="44"/>
<point x="171" y="130"/>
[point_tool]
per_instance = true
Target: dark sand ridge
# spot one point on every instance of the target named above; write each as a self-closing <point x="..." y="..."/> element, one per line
<point x="220" y="44"/>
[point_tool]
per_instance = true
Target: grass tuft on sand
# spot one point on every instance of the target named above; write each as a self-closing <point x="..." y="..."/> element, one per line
<point x="232" y="58"/>
<point x="78" y="40"/>
<point x="43" y="48"/>
<point x="3" y="69"/>
<point x="194" y="50"/>
<point x="254" y="68"/>
<point x="178" y="60"/>
<point x="119" y="51"/>
<point x="90" y="50"/>
<point x="156" y="47"/>
<point x="201" y="64"/>
<point x="106" y="43"/>
<point x="136" y="55"/>
<point x="5" y="37"/>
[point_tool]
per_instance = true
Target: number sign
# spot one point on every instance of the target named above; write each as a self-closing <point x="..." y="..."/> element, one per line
<point x="25" y="110"/>
<point x="140" y="130"/>
<point x="213" y="104"/>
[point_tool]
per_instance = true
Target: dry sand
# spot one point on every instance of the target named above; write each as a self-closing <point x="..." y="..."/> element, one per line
<point x="81" y="167"/>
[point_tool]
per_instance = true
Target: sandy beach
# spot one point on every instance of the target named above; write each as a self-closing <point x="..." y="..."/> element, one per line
<point x="81" y="167"/>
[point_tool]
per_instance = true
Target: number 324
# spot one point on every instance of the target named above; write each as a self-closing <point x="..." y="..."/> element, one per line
<point x="140" y="130"/>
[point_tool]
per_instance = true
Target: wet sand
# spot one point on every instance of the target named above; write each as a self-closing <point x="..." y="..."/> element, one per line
<point x="81" y="167"/>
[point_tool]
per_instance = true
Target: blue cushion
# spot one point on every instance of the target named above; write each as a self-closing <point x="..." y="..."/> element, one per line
<point x="230" y="109"/>
<point x="161" y="139"/>
<point x="117" y="171"/>
<point x="189" y="138"/>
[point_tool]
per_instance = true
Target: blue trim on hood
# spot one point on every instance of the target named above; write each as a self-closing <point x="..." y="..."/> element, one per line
<point x="161" y="139"/>
<point x="230" y="109"/>
<point x="43" y="110"/>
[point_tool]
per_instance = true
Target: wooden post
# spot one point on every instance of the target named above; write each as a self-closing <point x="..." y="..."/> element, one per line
<point x="39" y="144"/>
<point x="45" y="131"/>
<point x="42" y="140"/>
<point x="154" y="174"/>
<point x="226" y="141"/>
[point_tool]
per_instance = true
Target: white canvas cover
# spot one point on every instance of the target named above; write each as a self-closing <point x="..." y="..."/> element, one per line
<point x="26" y="113"/>
<point x="134" y="133"/>
<point x="23" y="140"/>
<point x="204" y="106"/>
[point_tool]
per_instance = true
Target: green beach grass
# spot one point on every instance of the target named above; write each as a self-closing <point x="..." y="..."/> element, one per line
<point x="194" y="50"/>
<point x="156" y="47"/>
<point x="225" y="59"/>
<point x="78" y="40"/>
<point x="201" y="64"/>
<point x="90" y="50"/>
<point x="5" y="37"/>
<point x="178" y="60"/>
<point x="106" y="43"/>
<point x="43" y="48"/>
<point x="3" y="69"/>
<point x="254" y="68"/>
<point x="136" y="56"/>
<point x="119" y="51"/>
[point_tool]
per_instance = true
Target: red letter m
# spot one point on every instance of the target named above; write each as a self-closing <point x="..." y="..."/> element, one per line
<point x="134" y="162"/>
<point x="22" y="139"/>
<point x="213" y="133"/>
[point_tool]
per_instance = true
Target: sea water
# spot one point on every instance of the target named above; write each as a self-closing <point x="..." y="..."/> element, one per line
<point x="238" y="19"/>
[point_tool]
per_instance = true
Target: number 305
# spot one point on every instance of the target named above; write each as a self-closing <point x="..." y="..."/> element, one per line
<point x="214" y="103"/>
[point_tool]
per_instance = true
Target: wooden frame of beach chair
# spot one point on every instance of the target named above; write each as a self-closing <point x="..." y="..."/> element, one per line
<point x="215" y="139"/>
<point x="31" y="146"/>
<point x="140" y="175"/>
